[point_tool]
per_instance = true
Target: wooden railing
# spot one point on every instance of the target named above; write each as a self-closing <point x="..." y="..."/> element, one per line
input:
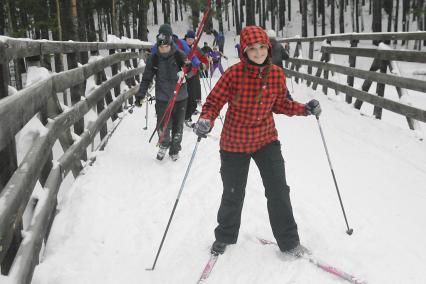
<point x="20" y="244"/>
<point x="383" y="58"/>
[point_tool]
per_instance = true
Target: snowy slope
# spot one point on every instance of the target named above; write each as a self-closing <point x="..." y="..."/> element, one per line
<point x="111" y="221"/>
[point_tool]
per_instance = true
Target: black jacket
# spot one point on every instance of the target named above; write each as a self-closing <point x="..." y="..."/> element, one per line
<point x="278" y="53"/>
<point x="165" y="76"/>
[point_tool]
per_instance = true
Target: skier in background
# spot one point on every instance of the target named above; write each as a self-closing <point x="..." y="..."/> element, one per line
<point x="219" y="40"/>
<point x="193" y="81"/>
<point x="216" y="59"/>
<point x="165" y="65"/>
<point x="279" y="53"/>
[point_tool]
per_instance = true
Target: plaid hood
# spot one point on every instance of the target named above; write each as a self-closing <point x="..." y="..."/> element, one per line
<point x="251" y="35"/>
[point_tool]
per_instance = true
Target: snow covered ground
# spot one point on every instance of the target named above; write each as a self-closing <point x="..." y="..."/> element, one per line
<point x="111" y="221"/>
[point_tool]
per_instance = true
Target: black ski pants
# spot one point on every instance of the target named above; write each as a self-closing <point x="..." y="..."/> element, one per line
<point x="234" y="170"/>
<point x="173" y="135"/>
<point x="194" y="94"/>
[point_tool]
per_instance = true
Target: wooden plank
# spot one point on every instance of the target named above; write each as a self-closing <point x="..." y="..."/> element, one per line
<point x="17" y="110"/>
<point x="18" y="48"/>
<point x="28" y="254"/>
<point x="397" y="81"/>
<point x="362" y="36"/>
<point x="382" y="54"/>
<point x="387" y="104"/>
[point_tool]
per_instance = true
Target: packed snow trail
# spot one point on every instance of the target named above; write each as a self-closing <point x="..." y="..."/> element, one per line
<point x="111" y="221"/>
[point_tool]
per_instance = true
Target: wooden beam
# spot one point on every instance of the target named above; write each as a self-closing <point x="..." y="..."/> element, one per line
<point x="382" y="54"/>
<point x="409" y="111"/>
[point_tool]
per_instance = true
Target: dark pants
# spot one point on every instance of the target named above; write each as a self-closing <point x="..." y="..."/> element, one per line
<point x="234" y="171"/>
<point x="194" y="94"/>
<point x="173" y="133"/>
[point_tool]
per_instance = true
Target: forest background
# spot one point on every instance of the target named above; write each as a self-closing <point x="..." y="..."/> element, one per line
<point x="93" y="20"/>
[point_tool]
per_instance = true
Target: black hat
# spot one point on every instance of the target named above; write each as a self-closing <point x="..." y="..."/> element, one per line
<point x="163" y="39"/>
<point x="165" y="29"/>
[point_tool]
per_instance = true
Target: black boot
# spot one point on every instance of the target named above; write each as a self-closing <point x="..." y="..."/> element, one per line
<point x="218" y="247"/>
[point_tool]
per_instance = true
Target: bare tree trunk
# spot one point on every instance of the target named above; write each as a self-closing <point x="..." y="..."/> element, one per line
<point x="242" y="20"/>
<point x="361" y="15"/>
<point x="342" y="16"/>
<point x="405" y="21"/>
<point x="237" y="18"/>
<point x="164" y="9"/>
<point x="395" y="23"/>
<point x="289" y="10"/>
<point x="273" y="13"/>
<point x="180" y="10"/>
<point x="390" y="12"/>
<point x="2" y="18"/>
<point x="353" y="15"/>
<point x="176" y="10"/>
<point x="143" y="27"/>
<point x="281" y="13"/>
<point x="154" y="4"/>
<point x="195" y="6"/>
<point x="219" y="14"/>
<point x="377" y="18"/>
<point x="322" y="11"/>
<point x="263" y="12"/>
<point x="304" y="12"/>
<point x="357" y="15"/>
<point x="250" y="20"/>
<point x="114" y="18"/>
<point x="332" y="21"/>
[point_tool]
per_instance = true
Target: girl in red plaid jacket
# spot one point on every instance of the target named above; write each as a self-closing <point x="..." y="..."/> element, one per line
<point x="254" y="89"/>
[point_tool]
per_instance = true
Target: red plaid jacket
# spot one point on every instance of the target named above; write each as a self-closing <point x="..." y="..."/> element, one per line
<point x="252" y="100"/>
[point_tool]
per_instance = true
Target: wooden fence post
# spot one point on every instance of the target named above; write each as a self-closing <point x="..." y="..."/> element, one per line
<point x="352" y="63"/>
<point x="311" y="57"/>
<point x="77" y="92"/>
<point x="380" y="89"/>
<point x="108" y="97"/>
<point x="367" y="83"/>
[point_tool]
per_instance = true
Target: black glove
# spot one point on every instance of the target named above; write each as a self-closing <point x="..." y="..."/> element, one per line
<point x="202" y="127"/>
<point x="313" y="108"/>
<point x="138" y="101"/>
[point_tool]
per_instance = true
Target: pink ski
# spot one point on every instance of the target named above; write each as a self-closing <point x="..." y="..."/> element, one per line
<point x="208" y="268"/>
<point x="328" y="268"/>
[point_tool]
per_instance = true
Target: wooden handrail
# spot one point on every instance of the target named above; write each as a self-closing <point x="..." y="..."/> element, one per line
<point x="18" y="48"/>
<point x="360" y="36"/>
<point x="383" y="54"/>
<point x="393" y="106"/>
<point x="397" y="81"/>
<point x="17" y="110"/>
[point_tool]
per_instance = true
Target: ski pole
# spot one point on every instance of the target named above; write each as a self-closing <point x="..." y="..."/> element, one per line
<point x="146" y="114"/>
<point x="348" y="231"/>
<point x="176" y="203"/>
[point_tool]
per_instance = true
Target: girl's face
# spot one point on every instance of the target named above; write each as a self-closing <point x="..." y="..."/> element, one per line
<point x="257" y="52"/>
<point x="190" y="41"/>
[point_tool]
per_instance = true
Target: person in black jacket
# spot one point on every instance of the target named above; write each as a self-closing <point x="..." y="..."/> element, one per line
<point x="165" y="64"/>
<point x="279" y="53"/>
